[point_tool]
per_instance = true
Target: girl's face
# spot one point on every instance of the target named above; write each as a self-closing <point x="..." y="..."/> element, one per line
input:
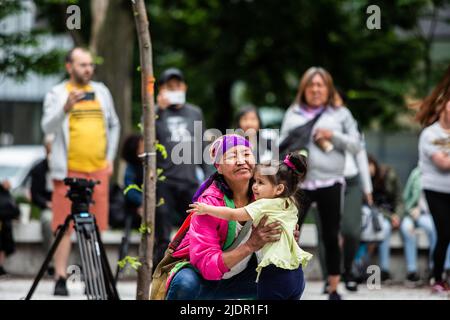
<point x="264" y="189"/>
<point x="249" y="121"/>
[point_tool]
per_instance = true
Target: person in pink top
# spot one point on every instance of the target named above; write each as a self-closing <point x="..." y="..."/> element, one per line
<point x="219" y="268"/>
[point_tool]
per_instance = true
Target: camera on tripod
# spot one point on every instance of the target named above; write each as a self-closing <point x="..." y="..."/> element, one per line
<point x="100" y="284"/>
<point x="80" y="193"/>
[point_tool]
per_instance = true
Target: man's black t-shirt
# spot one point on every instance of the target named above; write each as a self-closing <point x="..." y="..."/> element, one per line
<point x="175" y="130"/>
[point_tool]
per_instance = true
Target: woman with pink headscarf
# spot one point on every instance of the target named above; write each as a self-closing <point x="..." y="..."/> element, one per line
<point x="219" y="266"/>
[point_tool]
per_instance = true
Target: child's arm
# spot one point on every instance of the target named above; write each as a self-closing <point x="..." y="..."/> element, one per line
<point x="226" y="213"/>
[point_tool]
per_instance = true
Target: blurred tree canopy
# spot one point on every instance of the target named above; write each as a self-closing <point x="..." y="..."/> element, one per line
<point x="267" y="45"/>
<point x="263" y="47"/>
<point x="19" y="49"/>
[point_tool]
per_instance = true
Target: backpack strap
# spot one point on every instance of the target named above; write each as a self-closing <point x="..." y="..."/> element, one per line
<point x="181" y="233"/>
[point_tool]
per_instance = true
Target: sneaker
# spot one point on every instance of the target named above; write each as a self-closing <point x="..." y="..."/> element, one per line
<point x="385" y="276"/>
<point x="61" y="288"/>
<point x="350" y="283"/>
<point x="413" y="280"/>
<point x="440" y="287"/>
<point x="50" y="271"/>
<point x="3" y="272"/>
<point x="325" y="287"/>
<point x="334" y="296"/>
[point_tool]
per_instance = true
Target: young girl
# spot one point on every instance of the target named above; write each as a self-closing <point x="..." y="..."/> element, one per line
<point x="279" y="272"/>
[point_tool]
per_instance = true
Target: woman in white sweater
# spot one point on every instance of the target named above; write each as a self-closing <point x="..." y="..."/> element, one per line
<point x="334" y="132"/>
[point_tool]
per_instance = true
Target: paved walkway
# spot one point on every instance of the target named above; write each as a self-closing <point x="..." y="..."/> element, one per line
<point x="16" y="289"/>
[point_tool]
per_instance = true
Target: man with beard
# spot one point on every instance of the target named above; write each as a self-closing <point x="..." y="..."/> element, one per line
<point x="80" y="113"/>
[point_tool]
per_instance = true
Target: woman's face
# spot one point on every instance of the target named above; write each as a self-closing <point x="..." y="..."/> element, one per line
<point x="237" y="164"/>
<point x="249" y="121"/>
<point x="372" y="169"/>
<point x="316" y="92"/>
<point x="446" y="112"/>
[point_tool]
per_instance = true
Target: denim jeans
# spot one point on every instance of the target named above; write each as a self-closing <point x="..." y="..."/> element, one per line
<point x="407" y="228"/>
<point x="188" y="284"/>
<point x="384" y="249"/>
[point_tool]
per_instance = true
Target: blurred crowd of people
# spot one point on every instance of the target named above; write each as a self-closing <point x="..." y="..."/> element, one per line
<point x="82" y="137"/>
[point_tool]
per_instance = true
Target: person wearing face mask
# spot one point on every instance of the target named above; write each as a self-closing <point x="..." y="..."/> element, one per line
<point x="175" y="123"/>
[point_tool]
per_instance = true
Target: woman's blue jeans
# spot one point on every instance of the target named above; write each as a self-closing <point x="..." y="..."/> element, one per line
<point x="407" y="229"/>
<point x="188" y="284"/>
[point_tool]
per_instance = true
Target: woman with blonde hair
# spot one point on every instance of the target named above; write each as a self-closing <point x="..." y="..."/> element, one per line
<point x="333" y="131"/>
<point x="434" y="163"/>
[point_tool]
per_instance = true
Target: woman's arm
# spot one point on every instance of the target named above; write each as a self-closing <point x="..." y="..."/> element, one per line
<point x="441" y="160"/>
<point x="350" y="138"/>
<point x="239" y="214"/>
<point x="364" y="173"/>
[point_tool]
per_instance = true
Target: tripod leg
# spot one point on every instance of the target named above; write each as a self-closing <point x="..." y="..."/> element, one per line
<point x="49" y="257"/>
<point x="93" y="278"/>
<point x="87" y="272"/>
<point x="113" y="294"/>
<point x="98" y="265"/>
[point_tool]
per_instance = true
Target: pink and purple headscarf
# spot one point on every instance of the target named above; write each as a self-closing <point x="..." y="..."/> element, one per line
<point x="218" y="148"/>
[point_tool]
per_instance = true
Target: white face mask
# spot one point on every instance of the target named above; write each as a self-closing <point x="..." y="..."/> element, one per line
<point x="176" y="97"/>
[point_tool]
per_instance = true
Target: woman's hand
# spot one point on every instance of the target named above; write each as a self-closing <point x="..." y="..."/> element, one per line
<point x="6" y="185"/>
<point x="198" y="208"/>
<point x="322" y="134"/>
<point x="369" y="198"/>
<point x="263" y="234"/>
<point x="395" y="221"/>
<point x="297" y="233"/>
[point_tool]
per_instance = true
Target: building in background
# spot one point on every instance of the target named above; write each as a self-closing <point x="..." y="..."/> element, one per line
<point x="21" y="102"/>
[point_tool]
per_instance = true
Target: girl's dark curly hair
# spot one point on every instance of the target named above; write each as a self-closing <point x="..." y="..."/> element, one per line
<point x="130" y="147"/>
<point x="289" y="177"/>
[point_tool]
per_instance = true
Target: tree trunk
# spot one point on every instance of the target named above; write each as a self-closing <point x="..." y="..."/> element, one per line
<point x="112" y="40"/>
<point x="148" y="106"/>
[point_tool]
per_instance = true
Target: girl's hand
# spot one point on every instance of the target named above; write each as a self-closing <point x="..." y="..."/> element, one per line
<point x="198" y="208"/>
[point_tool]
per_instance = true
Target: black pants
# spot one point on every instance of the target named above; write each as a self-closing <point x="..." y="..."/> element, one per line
<point x="351" y="221"/>
<point x="439" y="205"/>
<point x="328" y="202"/>
<point x="172" y="213"/>
<point x="7" y="243"/>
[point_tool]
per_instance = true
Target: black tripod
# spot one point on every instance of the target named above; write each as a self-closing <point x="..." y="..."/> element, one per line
<point x="95" y="266"/>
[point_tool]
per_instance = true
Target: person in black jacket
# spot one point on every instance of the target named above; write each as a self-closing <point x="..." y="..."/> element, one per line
<point x="41" y="195"/>
<point x="7" y="245"/>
